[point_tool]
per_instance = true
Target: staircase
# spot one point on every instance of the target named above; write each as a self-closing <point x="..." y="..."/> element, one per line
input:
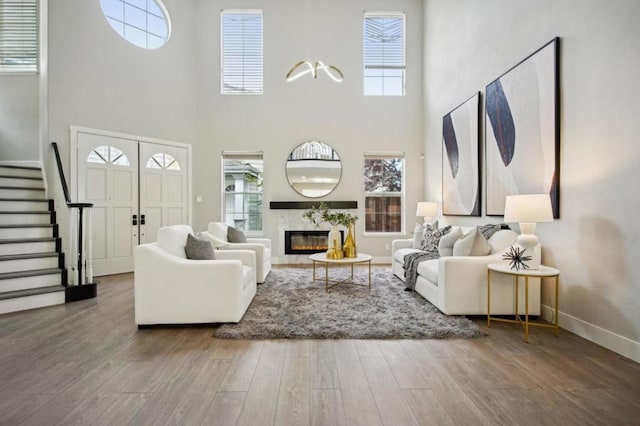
<point x="32" y="271"/>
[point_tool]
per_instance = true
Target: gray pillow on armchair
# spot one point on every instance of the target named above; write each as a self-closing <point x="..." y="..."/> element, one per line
<point x="235" y="235"/>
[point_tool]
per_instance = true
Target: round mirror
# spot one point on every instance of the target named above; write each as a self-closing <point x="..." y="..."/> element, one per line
<point x="313" y="169"/>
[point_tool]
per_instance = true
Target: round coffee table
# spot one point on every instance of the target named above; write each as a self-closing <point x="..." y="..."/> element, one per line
<point x="322" y="258"/>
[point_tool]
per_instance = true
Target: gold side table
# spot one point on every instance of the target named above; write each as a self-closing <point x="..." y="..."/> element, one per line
<point x="543" y="272"/>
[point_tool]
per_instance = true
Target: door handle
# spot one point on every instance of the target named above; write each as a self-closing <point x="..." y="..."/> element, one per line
<point x="142" y="219"/>
<point x="135" y="219"/>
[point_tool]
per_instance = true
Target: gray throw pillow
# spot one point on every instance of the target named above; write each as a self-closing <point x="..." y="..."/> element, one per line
<point x="488" y="230"/>
<point x="235" y="235"/>
<point x="197" y="249"/>
<point x="431" y="237"/>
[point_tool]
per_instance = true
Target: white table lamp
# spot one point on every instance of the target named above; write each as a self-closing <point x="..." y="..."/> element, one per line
<point x="528" y="210"/>
<point x="427" y="209"/>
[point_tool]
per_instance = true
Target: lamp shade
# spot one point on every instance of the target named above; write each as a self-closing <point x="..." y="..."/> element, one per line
<point x="427" y="209"/>
<point x="528" y="208"/>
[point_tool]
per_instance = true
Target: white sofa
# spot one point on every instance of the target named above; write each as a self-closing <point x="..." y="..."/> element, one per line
<point x="457" y="285"/>
<point x="171" y="289"/>
<point x="217" y="234"/>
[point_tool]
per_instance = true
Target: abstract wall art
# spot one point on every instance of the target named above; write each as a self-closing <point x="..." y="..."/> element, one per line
<point x="460" y="159"/>
<point x="522" y="131"/>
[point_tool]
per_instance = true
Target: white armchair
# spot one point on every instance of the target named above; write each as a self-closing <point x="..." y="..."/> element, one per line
<point x="171" y="289"/>
<point x="217" y="234"/>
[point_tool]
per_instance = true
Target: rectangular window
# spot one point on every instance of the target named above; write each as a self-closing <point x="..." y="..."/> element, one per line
<point x="242" y="52"/>
<point x="383" y="192"/>
<point x="242" y="191"/>
<point x="18" y="35"/>
<point x="384" y="59"/>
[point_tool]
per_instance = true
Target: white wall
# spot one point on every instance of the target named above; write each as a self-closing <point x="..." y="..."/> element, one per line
<point x="99" y="80"/>
<point x="595" y="243"/>
<point x="19" y="140"/>
<point x="291" y="113"/>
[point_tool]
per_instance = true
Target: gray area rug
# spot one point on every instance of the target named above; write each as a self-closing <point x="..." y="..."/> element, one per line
<point x="291" y="305"/>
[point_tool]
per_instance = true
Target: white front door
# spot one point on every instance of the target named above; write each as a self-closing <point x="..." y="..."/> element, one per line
<point x="136" y="187"/>
<point x="163" y="188"/>
<point x="108" y="178"/>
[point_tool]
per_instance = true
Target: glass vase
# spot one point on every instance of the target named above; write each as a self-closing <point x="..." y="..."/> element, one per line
<point x="334" y="239"/>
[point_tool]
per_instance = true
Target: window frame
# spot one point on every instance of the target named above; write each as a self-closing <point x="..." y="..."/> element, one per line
<point x="401" y="193"/>
<point x="240" y="156"/>
<point x="403" y="67"/>
<point x="129" y="23"/>
<point x="244" y="91"/>
<point x="35" y="53"/>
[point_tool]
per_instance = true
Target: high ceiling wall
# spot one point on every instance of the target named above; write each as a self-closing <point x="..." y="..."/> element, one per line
<point x="595" y="242"/>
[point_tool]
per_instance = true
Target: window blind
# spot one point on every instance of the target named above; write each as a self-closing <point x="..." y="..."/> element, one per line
<point x="242" y="52"/>
<point x="19" y="35"/>
<point x="384" y="54"/>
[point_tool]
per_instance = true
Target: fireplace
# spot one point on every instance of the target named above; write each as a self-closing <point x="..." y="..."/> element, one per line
<point x="306" y="242"/>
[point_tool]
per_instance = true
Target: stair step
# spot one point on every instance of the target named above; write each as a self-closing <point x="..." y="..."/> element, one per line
<point x="26" y="217"/>
<point x="21" y="192"/>
<point x="28" y="262"/>
<point x="20" y="300"/>
<point x="21" y="181"/>
<point x="25" y="204"/>
<point x="32" y="279"/>
<point x="29" y="245"/>
<point x="28" y="231"/>
<point x="22" y="274"/>
<point x="30" y="292"/>
<point x="20" y="171"/>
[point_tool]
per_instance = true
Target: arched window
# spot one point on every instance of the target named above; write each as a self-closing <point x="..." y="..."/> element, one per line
<point x="108" y="155"/>
<point x="162" y="160"/>
<point x="144" y="23"/>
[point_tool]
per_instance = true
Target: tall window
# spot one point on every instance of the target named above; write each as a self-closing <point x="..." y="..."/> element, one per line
<point x="384" y="61"/>
<point x="383" y="192"/>
<point x="242" y="52"/>
<point x="144" y="23"/>
<point x="243" y="183"/>
<point x="18" y="35"/>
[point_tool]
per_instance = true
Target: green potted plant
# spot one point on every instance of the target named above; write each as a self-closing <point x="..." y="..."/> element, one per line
<point x="322" y="214"/>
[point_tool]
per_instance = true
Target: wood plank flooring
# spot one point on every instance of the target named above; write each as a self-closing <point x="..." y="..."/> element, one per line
<point x="87" y="363"/>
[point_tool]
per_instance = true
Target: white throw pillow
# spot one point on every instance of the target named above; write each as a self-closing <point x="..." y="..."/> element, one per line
<point x="447" y="241"/>
<point x="471" y="244"/>
<point x="417" y="235"/>
<point x="480" y="245"/>
<point x="464" y="244"/>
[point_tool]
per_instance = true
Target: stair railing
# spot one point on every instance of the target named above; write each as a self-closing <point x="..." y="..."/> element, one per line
<point x="85" y="287"/>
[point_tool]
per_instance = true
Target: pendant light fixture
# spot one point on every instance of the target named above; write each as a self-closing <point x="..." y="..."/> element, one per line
<point x="303" y="68"/>
<point x="306" y="68"/>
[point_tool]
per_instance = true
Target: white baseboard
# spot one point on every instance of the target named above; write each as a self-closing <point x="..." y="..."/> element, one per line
<point x="30" y="163"/>
<point x="608" y="339"/>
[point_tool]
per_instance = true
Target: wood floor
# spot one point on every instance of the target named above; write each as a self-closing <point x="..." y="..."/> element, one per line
<point x="86" y="363"/>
